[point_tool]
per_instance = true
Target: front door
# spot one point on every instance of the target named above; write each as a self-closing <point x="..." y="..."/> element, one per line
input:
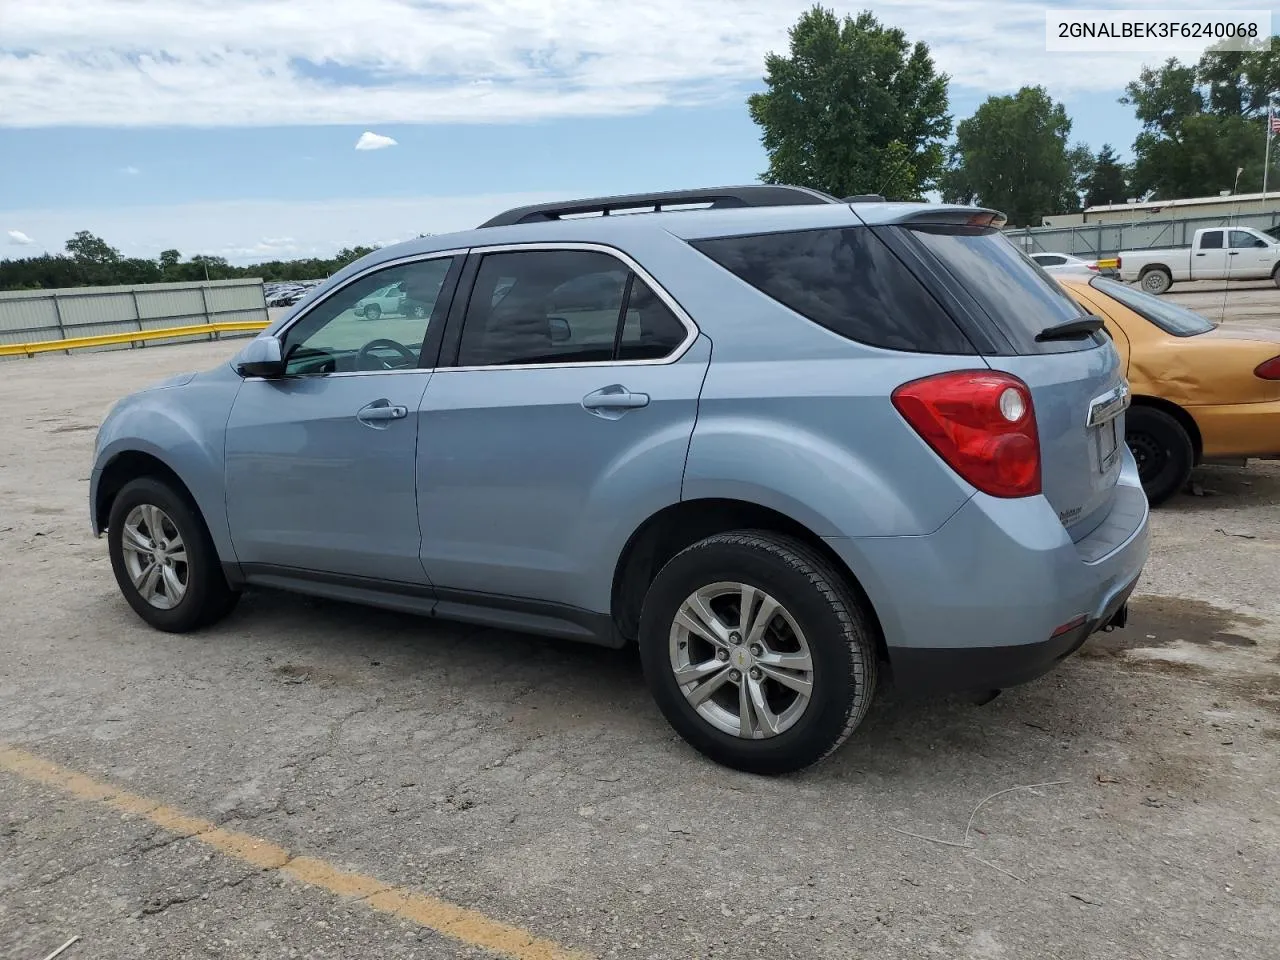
<point x="563" y="425"/>
<point x="321" y="463"/>
<point x="1250" y="256"/>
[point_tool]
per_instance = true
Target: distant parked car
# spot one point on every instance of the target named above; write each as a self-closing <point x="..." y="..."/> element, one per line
<point x="1217" y="253"/>
<point x="777" y="444"/>
<point x="1200" y="391"/>
<point x="1066" y="263"/>
<point x="391" y="300"/>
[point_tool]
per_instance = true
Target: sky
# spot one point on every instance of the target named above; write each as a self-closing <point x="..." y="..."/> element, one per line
<point x="264" y="129"/>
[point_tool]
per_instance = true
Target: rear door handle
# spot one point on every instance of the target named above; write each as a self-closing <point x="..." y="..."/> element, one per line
<point x="1234" y="253"/>
<point x="381" y="411"/>
<point x="616" y="397"/>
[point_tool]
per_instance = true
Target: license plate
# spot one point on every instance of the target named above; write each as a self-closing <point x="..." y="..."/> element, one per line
<point x="1108" y="445"/>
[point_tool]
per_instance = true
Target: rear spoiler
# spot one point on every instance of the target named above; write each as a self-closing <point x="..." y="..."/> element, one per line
<point x="953" y="216"/>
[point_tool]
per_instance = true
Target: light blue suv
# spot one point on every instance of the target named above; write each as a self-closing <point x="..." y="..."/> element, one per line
<point x="783" y="442"/>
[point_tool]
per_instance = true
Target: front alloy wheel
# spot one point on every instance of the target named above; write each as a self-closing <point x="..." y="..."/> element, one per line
<point x="741" y="660"/>
<point x="155" y="556"/>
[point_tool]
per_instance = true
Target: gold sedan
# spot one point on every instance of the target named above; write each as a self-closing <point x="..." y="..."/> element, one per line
<point x="1201" y="391"/>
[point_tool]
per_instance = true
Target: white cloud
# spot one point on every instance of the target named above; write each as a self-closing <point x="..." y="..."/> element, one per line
<point x="374" y="141"/>
<point x="19" y="239"/>
<point x="245" y="62"/>
<point x="130" y="170"/>
<point x="285" y="229"/>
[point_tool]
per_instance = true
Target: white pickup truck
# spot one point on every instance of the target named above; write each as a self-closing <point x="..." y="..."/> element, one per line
<point x="1218" y="253"/>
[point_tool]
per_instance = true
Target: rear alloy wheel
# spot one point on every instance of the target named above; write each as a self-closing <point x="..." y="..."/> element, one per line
<point x="1155" y="281"/>
<point x="372" y="311"/>
<point x="1162" y="449"/>
<point x="757" y="651"/>
<point x="1275" y="275"/>
<point x="163" y="559"/>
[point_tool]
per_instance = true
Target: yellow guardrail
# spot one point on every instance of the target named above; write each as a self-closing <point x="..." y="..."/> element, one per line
<point x="130" y="336"/>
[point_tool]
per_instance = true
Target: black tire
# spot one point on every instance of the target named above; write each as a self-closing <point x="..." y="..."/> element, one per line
<point x="1163" y="450"/>
<point x="1155" y="280"/>
<point x="207" y="597"/>
<point x="418" y="311"/>
<point x="838" y="632"/>
<point x="1275" y="275"/>
<point x="372" y="311"/>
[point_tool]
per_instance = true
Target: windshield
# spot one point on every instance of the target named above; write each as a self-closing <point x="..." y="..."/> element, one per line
<point x="1166" y="315"/>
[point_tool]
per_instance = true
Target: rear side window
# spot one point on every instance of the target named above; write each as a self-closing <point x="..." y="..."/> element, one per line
<point x="846" y="280"/>
<point x="1211" y="240"/>
<point x="1021" y="299"/>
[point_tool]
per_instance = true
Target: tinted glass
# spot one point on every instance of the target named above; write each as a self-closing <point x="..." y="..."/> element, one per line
<point x="1242" y="240"/>
<point x="1049" y="259"/>
<point x="1211" y="240"/>
<point x="650" y="330"/>
<point x="543" y="306"/>
<point x="394" y="306"/>
<point x="1165" y="314"/>
<point x="848" y="281"/>
<point x="1020" y="298"/>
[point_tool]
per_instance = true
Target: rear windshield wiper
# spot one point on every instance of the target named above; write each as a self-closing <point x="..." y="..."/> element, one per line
<point x="1071" y="329"/>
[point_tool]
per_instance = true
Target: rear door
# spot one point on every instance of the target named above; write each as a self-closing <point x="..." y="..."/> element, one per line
<point x="1077" y="384"/>
<point x="562" y="423"/>
<point x="1209" y="258"/>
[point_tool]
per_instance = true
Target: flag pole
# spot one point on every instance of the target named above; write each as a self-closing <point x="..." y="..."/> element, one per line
<point x="1266" y="156"/>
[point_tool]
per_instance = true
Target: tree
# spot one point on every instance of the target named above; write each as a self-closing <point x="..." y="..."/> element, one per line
<point x="1107" y="180"/>
<point x="1202" y="123"/>
<point x="1012" y="155"/>
<point x="854" y="108"/>
<point x="169" y="259"/>
<point x="86" y="248"/>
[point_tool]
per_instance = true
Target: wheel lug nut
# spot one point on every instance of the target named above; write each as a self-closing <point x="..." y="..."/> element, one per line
<point x="755" y="673"/>
<point x="722" y="655"/>
<point x="735" y="637"/>
<point x="756" y="650"/>
<point x="735" y="675"/>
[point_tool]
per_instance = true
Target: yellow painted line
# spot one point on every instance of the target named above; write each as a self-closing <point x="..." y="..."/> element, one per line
<point x="469" y="927"/>
<point x="129" y="336"/>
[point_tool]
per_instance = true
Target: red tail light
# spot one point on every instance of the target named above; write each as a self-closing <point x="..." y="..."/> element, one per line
<point x="982" y="424"/>
<point x="1268" y="369"/>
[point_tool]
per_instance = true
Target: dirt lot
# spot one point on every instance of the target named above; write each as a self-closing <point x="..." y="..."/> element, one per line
<point x="534" y="782"/>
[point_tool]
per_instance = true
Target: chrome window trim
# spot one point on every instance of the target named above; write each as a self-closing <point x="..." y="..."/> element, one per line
<point x="691" y="329"/>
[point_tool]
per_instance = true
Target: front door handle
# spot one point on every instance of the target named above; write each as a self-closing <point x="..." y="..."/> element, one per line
<point x="1234" y="253"/>
<point x="381" y="411"/>
<point x="615" y="397"/>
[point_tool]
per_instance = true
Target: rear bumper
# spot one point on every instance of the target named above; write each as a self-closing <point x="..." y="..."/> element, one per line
<point x="1239" y="429"/>
<point x="978" y="604"/>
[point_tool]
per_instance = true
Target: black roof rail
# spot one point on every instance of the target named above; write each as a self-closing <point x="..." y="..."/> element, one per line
<point x="753" y="195"/>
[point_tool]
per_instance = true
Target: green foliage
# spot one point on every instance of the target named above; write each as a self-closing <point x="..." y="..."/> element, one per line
<point x="1012" y="155"/>
<point x="1106" y="180"/>
<point x="853" y="108"/>
<point x="91" y="261"/>
<point x="1202" y="123"/>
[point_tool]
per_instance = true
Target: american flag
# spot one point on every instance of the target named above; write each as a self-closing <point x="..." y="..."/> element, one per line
<point x="1274" y="121"/>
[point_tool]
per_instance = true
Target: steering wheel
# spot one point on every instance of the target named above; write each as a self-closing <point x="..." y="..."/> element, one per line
<point x="366" y="360"/>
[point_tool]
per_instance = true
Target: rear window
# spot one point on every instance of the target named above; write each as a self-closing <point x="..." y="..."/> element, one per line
<point x="846" y="280"/>
<point x="1166" y="315"/>
<point x="1015" y="292"/>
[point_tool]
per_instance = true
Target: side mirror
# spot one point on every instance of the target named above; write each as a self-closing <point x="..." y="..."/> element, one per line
<point x="561" y="332"/>
<point x="261" y="357"/>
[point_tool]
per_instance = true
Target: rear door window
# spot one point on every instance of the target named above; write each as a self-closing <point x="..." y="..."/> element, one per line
<point x="846" y="280"/>
<point x="1018" y="297"/>
<point x="1212" y="240"/>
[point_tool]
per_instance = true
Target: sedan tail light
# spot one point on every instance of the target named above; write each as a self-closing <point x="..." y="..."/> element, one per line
<point x="982" y="424"/>
<point x="1268" y="369"/>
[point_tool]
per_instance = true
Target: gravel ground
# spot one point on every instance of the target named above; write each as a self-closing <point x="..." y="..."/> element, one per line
<point x="535" y="781"/>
